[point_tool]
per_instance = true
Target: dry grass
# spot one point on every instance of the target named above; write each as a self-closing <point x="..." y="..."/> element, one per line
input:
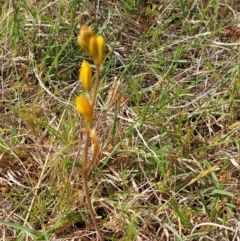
<point x="168" y="119"/>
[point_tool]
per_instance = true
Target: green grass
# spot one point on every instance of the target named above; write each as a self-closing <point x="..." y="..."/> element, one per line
<point x="167" y="113"/>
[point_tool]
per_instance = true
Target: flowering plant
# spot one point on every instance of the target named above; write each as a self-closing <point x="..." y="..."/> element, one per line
<point x="95" y="47"/>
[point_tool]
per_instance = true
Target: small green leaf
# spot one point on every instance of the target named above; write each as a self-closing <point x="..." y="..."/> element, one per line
<point x="182" y="217"/>
<point x="23" y="228"/>
<point x="222" y="192"/>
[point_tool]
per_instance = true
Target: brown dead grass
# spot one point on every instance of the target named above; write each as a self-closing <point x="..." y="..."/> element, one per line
<point x="183" y="69"/>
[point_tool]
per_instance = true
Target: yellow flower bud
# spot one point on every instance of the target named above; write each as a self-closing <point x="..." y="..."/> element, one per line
<point x="84" y="37"/>
<point x="84" y="107"/>
<point x="96" y="49"/>
<point x="85" y="75"/>
<point x="101" y="48"/>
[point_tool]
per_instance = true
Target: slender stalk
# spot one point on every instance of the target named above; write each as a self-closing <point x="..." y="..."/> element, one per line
<point x="97" y="80"/>
<point x="85" y="168"/>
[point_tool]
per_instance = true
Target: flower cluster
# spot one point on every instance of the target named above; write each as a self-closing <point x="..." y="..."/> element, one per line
<point x="92" y="44"/>
<point x="95" y="47"/>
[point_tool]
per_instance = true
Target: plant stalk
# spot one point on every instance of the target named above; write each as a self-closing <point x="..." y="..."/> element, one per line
<point x="85" y="168"/>
<point x="97" y="80"/>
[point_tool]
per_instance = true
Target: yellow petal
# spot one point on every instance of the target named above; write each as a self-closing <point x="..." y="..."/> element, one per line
<point x="86" y="75"/>
<point x="93" y="48"/>
<point x="84" y="108"/>
<point x="84" y="37"/>
<point x="101" y="48"/>
<point x="96" y="49"/>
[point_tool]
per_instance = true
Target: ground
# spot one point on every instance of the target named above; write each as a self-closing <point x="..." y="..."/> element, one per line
<point x="167" y="117"/>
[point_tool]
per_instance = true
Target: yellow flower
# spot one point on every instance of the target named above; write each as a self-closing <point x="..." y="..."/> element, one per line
<point x="97" y="48"/>
<point x="84" y="37"/>
<point x="92" y="44"/>
<point x="85" y="75"/>
<point x="84" y="108"/>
